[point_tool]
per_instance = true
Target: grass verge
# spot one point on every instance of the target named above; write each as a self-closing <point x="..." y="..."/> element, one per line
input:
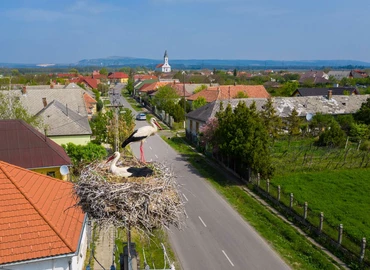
<point x="134" y="104"/>
<point x="294" y="248"/>
<point x="151" y="247"/>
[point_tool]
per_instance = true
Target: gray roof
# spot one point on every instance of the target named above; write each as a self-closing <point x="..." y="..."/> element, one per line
<point x="70" y="95"/>
<point x="63" y="121"/>
<point x="339" y="74"/>
<point x="285" y="105"/>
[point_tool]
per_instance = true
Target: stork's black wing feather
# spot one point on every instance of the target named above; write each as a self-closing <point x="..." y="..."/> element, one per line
<point x="129" y="139"/>
<point x="140" y="172"/>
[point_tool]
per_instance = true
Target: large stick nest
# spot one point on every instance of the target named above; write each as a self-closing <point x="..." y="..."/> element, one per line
<point x="140" y="202"/>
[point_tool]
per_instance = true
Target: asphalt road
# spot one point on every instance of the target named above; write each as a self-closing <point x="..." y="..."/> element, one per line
<point x="215" y="236"/>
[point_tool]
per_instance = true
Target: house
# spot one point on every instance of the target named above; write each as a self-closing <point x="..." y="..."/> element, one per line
<point x="140" y="84"/>
<point x="315" y="77"/>
<point x="24" y="146"/>
<point x="143" y="77"/>
<point x="89" y="82"/>
<point x="339" y="74"/>
<point x="96" y="75"/>
<point x="151" y="88"/>
<point x="224" y="92"/>
<point x="90" y="104"/>
<point x="40" y="227"/>
<point x="304" y="92"/>
<point x="118" y="77"/>
<point x="64" y="125"/>
<point x="334" y="105"/>
<point x="164" y="67"/>
<point x="191" y="87"/>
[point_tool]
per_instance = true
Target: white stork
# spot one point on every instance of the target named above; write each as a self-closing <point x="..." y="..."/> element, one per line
<point x="141" y="134"/>
<point x="127" y="171"/>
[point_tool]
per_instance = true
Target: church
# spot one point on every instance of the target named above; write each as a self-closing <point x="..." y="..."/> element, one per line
<point x="165" y="67"/>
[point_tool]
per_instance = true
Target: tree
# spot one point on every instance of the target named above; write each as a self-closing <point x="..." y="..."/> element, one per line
<point x="103" y="88"/>
<point x="126" y="124"/>
<point x="363" y="114"/>
<point x="165" y="97"/>
<point x="200" y="88"/>
<point x="271" y="120"/>
<point x="242" y="135"/>
<point x="332" y="136"/>
<point x="289" y="87"/>
<point x="235" y="72"/>
<point x="207" y="133"/>
<point x="83" y="154"/>
<point x="99" y="105"/>
<point x="73" y="71"/>
<point x="12" y="108"/>
<point x="293" y="124"/>
<point x="345" y="122"/>
<point x="15" y="72"/>
<point x="104" y="71"/>
<point x="359" y="132"/>
<point x="199" y="102"/>
<point x="320" y="122"/>
<point x="98" y="125"/>
<point x="130" y="84"/>
<point x="241" y="94"/>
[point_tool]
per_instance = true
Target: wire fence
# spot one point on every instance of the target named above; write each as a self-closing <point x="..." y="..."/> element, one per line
<point x="332" y="236"/>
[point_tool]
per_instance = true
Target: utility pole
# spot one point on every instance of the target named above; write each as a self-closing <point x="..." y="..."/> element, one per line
<point x="116" y="104"/>
<point x="183" y="80"/>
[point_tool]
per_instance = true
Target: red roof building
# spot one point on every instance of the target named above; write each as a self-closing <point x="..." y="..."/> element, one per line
<point x="90" y="82"/>
<point x="118" y="75"/>
<point x="145" y="77"/>
<point x="38" y="220"/>
<point x="224" y="92"/>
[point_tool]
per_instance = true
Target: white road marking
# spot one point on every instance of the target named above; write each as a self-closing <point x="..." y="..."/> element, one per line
<point x="185" y="197"/>
<point x="151" y="160"/>
<point x="186" y="214"/>
<point x="150" y="147"/>
<point x="227" y="257"/>
<point x="202" y="221"/>
<point x="156" y="156"/>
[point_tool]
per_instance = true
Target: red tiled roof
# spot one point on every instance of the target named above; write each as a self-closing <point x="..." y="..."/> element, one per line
<point x="118" y="75"/>
<point x="89" y="102"/>
<point x="159" y="65"/>
<point x="230" y="91"/>
<point x="153" y="86"/>
<point x="145" y="77"/>
<point x="92" y="83"/>
<point x="179" y="87"/>
<point x="24" y="146"/>
<point x="38" y="219"/>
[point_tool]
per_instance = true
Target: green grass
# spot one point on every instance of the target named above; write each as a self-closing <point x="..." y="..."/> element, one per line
<point x="134" y="104"/>
<point x="304" y="156"/>
<point x="151" y="246"/>
<point x="292" y="247"/>
<point x="342" y="195"/>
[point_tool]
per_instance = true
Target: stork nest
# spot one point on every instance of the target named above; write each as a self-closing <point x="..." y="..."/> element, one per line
<point x="141" y="202"/>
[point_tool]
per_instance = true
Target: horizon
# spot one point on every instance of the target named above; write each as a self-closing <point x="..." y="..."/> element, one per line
<point x="42" y="31"/>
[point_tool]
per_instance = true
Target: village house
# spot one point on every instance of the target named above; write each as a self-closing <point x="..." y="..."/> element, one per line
<point x="40" y="227"/>
<point x="24" y="146"/>
<point x="334" y="105"/>
<point x="335" y="91"/>
<point x="118" y="77"/>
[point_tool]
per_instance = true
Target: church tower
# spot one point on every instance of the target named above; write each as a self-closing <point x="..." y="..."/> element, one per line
<point x="166" y="67"/>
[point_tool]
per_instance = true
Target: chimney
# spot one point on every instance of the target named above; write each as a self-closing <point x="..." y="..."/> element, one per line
<point x="24" y="90"/>
<point x="44" y="101"/>
<point x="330" y="94"/>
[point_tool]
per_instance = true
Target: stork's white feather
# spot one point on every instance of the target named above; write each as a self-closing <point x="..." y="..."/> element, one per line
<point x="147" y="131"/>
<point x="119" y="171"/>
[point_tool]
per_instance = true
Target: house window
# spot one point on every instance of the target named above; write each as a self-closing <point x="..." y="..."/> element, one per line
<point x="191" y="125"/>
<point x="197" y="127"/>
<point x="52" y="174"/>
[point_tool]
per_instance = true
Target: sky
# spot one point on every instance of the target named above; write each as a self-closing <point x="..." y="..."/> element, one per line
<point x="66" y="31"/>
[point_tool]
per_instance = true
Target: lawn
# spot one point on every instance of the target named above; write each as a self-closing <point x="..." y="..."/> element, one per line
<point x="292" y="247"/>
<point x="151" y="247"/>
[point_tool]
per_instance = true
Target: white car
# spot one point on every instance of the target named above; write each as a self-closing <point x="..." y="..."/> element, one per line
<point x="141" y="116"/>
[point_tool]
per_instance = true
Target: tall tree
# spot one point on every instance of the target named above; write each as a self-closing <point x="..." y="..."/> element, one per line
<point x="271" y="120"/>
<point x="363" y="114"/>
<point x="104" y="71"/>
<point x="199" y="102"/>
<point x="293" y="124"/>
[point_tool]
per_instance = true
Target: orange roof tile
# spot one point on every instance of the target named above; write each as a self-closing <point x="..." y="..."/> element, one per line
<point x="37" y="215"/>
<point x="153" y="86"/>
<point x="230" y="91"/>
<point x="118" y="75"/>
<point x="89" y="102"/>
<point x="145" y="77"/>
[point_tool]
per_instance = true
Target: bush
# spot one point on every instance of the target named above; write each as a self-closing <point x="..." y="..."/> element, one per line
<point x="333" y="136"/>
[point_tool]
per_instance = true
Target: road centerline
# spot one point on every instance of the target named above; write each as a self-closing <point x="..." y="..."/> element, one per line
<point x="185" y="197"/>
<point x="227" y="257"/>
<point x="202" y="221"/>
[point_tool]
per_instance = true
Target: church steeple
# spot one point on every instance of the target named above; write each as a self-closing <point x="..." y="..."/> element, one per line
<point x="165" y="54"/>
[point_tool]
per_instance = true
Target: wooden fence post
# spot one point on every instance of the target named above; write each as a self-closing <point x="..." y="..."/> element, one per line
<point x="305" y="210"/>
<point x="363" y="247"/>
<point x="258" y="179"/>
<point x="340" y="234"/>
<point x="268" y="186"/>
<point x="278" y="193"/>
<point x="291" y="200"/>
<point x="321" y="225"/>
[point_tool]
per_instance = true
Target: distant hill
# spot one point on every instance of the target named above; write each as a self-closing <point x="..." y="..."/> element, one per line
<point x="216" y="63"/>
<point x="118" y="61"/>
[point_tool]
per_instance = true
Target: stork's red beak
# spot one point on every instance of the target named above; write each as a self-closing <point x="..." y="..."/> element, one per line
<point x="158" y="125"/>
<point x="110" y="158"/>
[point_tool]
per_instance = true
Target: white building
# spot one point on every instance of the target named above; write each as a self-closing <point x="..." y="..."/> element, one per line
<point x="165" y="67"/>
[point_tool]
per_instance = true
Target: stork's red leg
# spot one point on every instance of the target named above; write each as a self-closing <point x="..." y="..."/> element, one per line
<point x="142" y="158"/>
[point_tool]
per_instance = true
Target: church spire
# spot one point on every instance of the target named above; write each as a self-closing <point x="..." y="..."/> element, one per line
<point x="165" y="54"/>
